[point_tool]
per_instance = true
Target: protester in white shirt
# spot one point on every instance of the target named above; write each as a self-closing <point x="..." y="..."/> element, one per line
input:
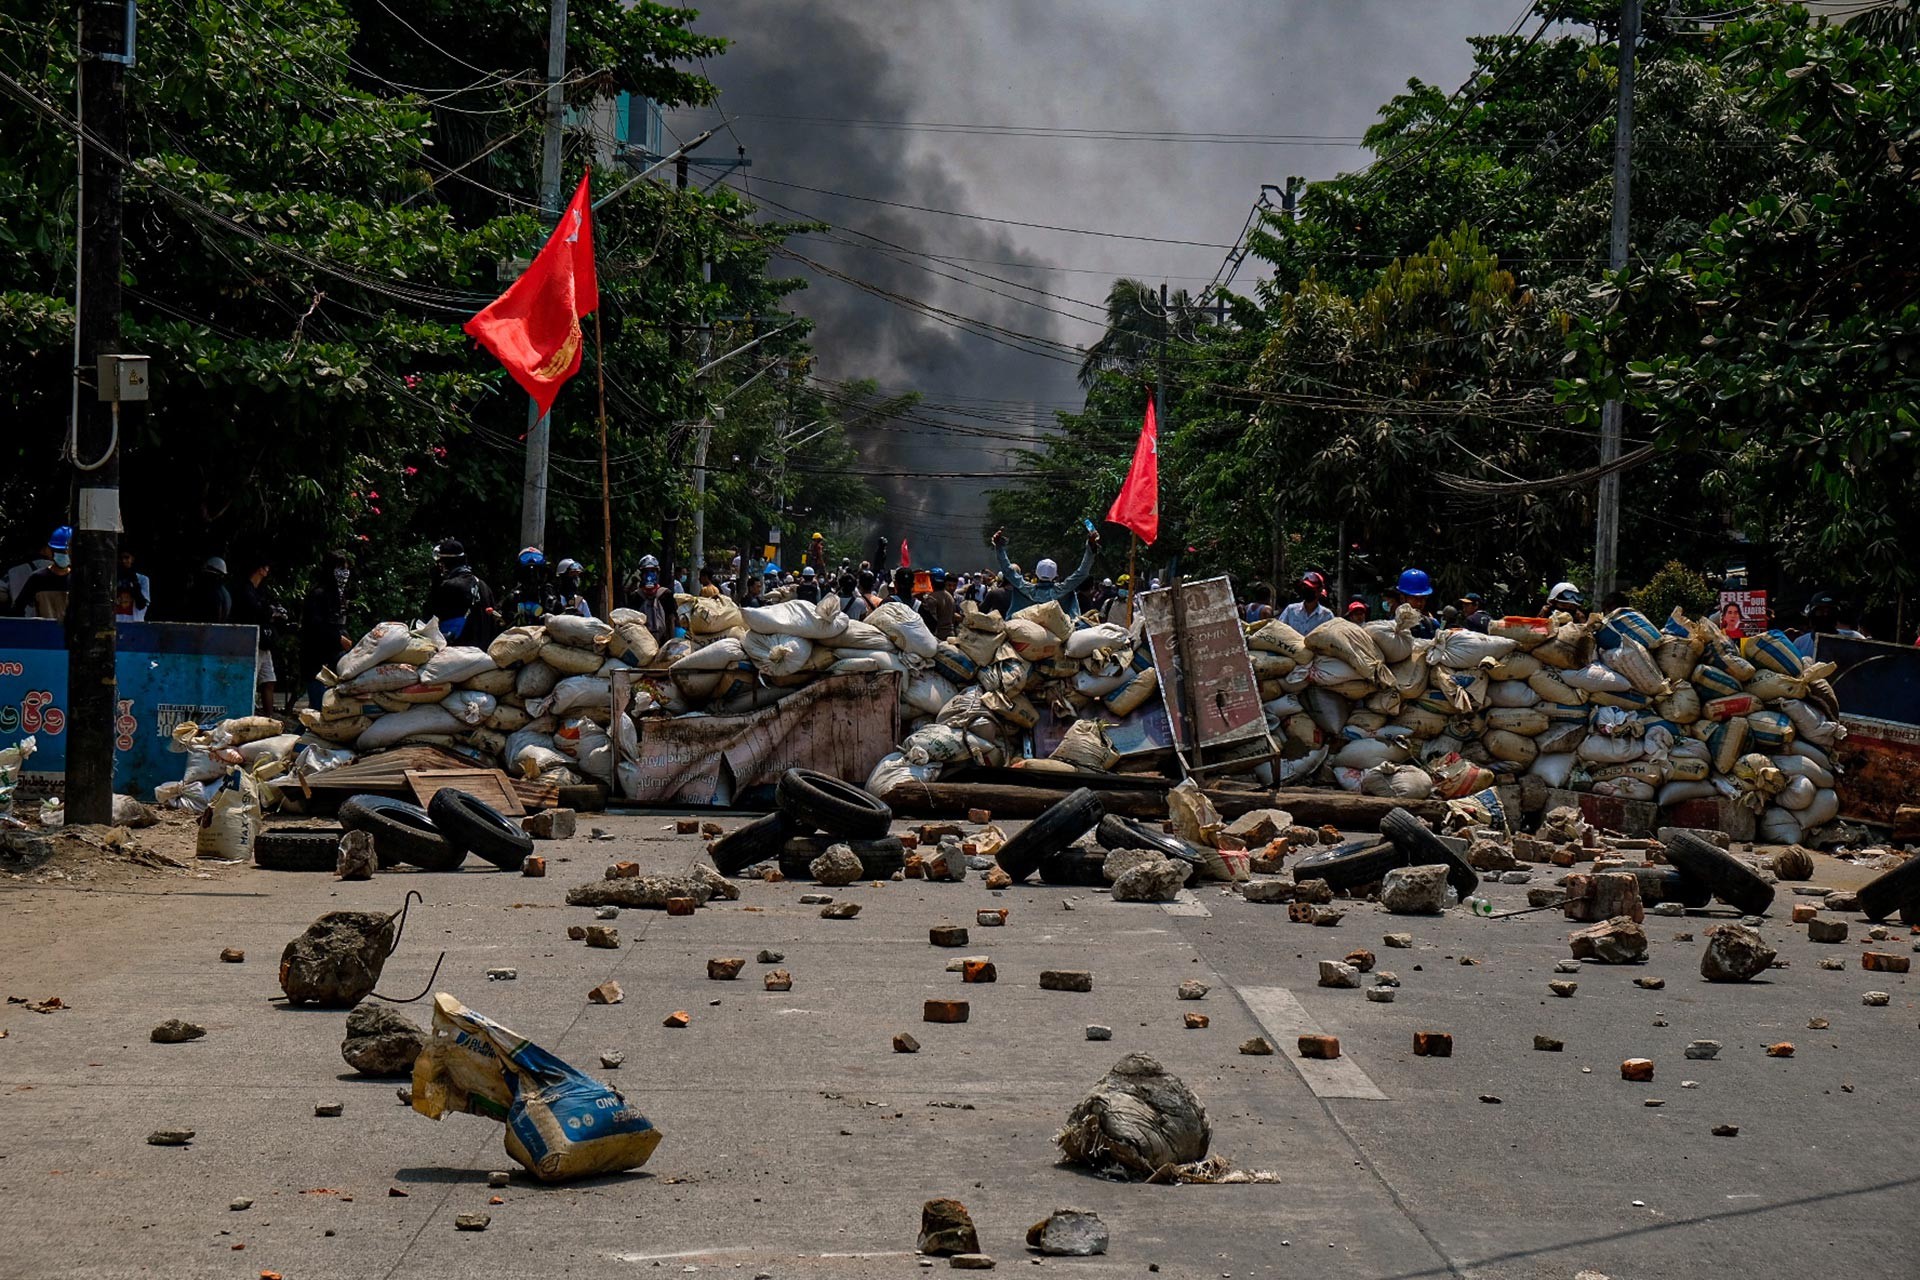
<point x="1309" y="611"/>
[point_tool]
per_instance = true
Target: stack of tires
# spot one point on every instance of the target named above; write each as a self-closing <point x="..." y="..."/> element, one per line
<point x="435" y="838"/>
<point x="815" y="811"/>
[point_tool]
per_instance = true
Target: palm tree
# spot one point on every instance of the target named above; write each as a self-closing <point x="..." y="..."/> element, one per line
<point x="1135" y="327"/>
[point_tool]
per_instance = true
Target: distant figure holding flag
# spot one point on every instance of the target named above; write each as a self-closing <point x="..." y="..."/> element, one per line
<point x="1137" y="508"/>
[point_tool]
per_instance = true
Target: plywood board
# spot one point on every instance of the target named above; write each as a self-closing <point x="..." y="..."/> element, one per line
<point x="489" y="786"/>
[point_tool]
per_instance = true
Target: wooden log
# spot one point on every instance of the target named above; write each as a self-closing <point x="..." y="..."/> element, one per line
<point x="1311" y="807"/>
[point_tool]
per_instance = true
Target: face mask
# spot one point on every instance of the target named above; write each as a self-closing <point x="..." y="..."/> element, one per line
<point x="651" y="579"/>
<point x="341" y="577"/>
<point x="62" y="559"/>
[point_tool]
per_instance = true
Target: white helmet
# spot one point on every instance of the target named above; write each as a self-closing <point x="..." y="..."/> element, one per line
<point x="1566" y="593"/>
<point x="649" y="562"/>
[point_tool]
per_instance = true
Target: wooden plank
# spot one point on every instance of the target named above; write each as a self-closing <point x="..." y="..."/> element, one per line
<point x="489" y="786"/>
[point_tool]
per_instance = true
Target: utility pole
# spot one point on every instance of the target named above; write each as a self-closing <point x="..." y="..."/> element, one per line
<point x="1606" y="530"/>
<point x="1289" y="197"/>
<point x="106" y="50"/>
<point x="533" y="491"/>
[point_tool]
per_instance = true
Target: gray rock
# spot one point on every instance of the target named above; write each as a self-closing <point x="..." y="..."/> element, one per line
<point x="770" y="957"/>
<point x="329" y="1109"/>
<point x="1380" y="995"/>
<point x="1415" y="891"/>
<point x="719" y="885"/>
<point x="1566" y="966"/>
<point x="381" y="1041"/>
<point x="355" y="859"/>
<point x="1875" y="999"/>
<point x="1314" y="892"/>
<point x="1823" y="930"/>
<point x="1734" y="953"/>
<point x="839" y="865"/>
<point x="815" y="899"/>
<point x="1843" y="900"/>
<point x="1515" y="877"/>
<point x="1399" y="941"/>
<point x="1097" y="1032"/>
<point x="1156" y="881"/>
<point x="337" y="961"/>
<point x="1544" y="896"/>
<point x="612" y="1059"/>
<point x="640" y="891"/>
<point x="1616" y="941"/>
<point x="947" y="862"/>
<point x="240" y="1204"/>
<point x="1669" y="909"/>
<point x="946" y="1228"/>
<point x="1120" y="861"/>
<point x="606" y="913"/>
<point x="1338" y="973"/>
<point x="1193" y="989"/>
<point x="1069" y="1233"/>
<point x="1267" y="890"/>
<point x="175" y="1031"/>
<point x="499" y="1178"/>
<point x="471" y="1221"/>
<point x="1703" y="1050"/>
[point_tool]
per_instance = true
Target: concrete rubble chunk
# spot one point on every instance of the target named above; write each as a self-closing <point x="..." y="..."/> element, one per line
<point x="550" y="824"/>
<point x="502" y="975"/>
<point x="838" y="866"/>
<point x="1380" y="995"/>
<point x="1338" y="973"/>
<point x="1258" y="1047"/>
<point x="1267" y="891"/>
<point x="971" y="1262"/>
<point x="1137" y="1119"/>
<point x="1361" y="959"/>
<point x="722" y="888"/>
<point x="1069" y="1233"/>
<point x="815" y="899"/>
<point x="725" y="968"/>
<point x="1196" y="1021"/>
<point x="1193" y="989"/>
<point x="1398" y="941"/>
<point x="777" y="980"/>
<point x="1734" y="953"/>
<point x="1875" y="999"/>
<point x="606" y="993"/>
<point x="946" y="1228"/>
<point x="337" y="961"/>
<point x="1547" y="1044"/>
<point x="1619" y="940"/>
<point x="612" y="1059"/>
<point x="1097" y="1032"/>
<point x="1566" y="966"/>
<point x="639" y="891"/>
<point x="381" y="1041"/>
<point x="1604" y="895"/>
<point x="904" y="1043"/>
<point x="840" y="911"/>
<point x="990" y="919"/>
<point x="948" y="861"/>
<point x="471" y="1221"/>
<point x="355" y="859"/>
<point x="1563" y="988"/>
<point x="604" y="936"/>
<point x="770" y="957"/>
<point x="1312" y="892"/>
<point x="1066" y="980"/>
<point x="176" y="1031"/>
<point x="1703" y="1050"/>
<point x="1822" y="930"/>
<point x="1157" y="881"/>
<point x="1415" y="891"/>
<point x="1120" y="861"/>
<point x="329" y="1109"/>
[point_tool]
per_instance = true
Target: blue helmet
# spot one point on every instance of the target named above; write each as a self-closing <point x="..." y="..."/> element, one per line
<point x="1414" y="582"/>
<point x="937" y="574"/>
<point x="62" y="538"/>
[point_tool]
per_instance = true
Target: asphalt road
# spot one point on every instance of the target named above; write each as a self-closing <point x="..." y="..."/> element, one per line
<point x="796" y="1143"/>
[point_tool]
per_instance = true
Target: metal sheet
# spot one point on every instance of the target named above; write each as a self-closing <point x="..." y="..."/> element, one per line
<point x="1216" y="645"/>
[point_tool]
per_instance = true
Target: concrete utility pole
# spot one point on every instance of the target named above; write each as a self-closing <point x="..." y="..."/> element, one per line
<point x="106" y="50"/>
<point x="533" y="491"/>
<point x="1606" y="530"/>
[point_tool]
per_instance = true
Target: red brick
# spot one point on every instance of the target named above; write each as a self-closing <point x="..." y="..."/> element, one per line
<point x="1804" y="911"/>
<point x="1319" y="1046"/>
<point x="978" y="971"/>
<point x="1637" y="1069"/>
<point x="680" y="906"/>
<point x="980" y="817"/>
<point x="944" y="1011"/>
<point x="1782" y="1050"/>
<point x="678" y="1018"/>
<point x="1432" y="1044"/>
<point x="1196" y="1021"/>
<point x="533" y="865"/>
<point x="1885" y="962"/>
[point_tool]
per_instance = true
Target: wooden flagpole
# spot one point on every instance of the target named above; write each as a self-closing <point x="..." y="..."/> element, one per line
<point x="1133" y="572"/>
<point x="606" y="491"/>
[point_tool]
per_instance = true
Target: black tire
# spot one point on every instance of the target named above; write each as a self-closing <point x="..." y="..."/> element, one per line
<point x="470" y="825"/>
<point x="303" y="849"/>
<point x="1116" y="832"/>
<point x="1670" y="884"/>
<point x="1051" y="832"/>
<point x="758" y="841"/>
<point x="401" y="832"/>
<point x="1910" y="912"/>
<point x="1892" y="891"/>
<point x="1074" y="867"/>
<point x="1424" y="849"/>
<point x="1350" y="865"/>
<point x="879" y="859"/>
<point x="1732" y="881"/>
<point x="819" y="800"/>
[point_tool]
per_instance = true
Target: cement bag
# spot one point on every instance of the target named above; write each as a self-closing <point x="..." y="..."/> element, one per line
<point x="1286" y="704"/>
<point x="1824" y="809"/>
<point x="505" y="717"/>
<point x="534" y="681"/>
<point x="1810" y="726"/>
<point x="1327" y="709"/>
<point x="894" y="770"/>
<point x="381" y="679"/>
<point x="1596" y="677"/>
<point x="935" y="744"/>
<point x="1401" y="782"/>
<point x="1386" y="703"/>
<point x="1030" y="640"/>
<point x="1420" y="722"/>
<point x="1005" y="675"/>
<point x="1626" y="789"/>
<point x="797" y="618"/>
<point x="1725" y="653"/>
<point x="1351" y="643"/>
<point x="1797" y="794"/>
<point x="414" y="695"/>
<point x="1628" y="624"/>
<point x="1599" y="749"/>
<point x="1527" y="634"/>
<point x="244" y="729"/>
<point x="1511" y="748"/>
<point x="1362" y="723"/>
<point x="1366" y="753"/>
<point x="1727" y="741"/>
<point x="1713" y="682"/>
<point x="1769" y="731"/>
<point x="1098" y="686"/>
<point x="1086" y="746"/>
<point x="1771" y="686"/>
<point x="341" y="730"/>
<point x="1465" y="650"/>
<point x="1565" y="712"/>
<point x="1682" y="706"/>
<point x="569" y="660"/>
<point x="905" y="628"/>
<point x="1349" y="779"/>
<point x="926" y="692"/>
<point x="1680" y="790"/>
<point x="1049" y="615"/>
<point x="1511" y="693"/>
<point x="1454" y="777"/>
<point x="861" y="661"/>
<point x="1275" y="636"/>
<point x="864" y="635"/>
<point x="424" y="719"/>
<point x="1088" y="641"/>
<point x="1130" y="697"/>
<point x="515" y="646"/>
<point x="469" y="707"/>
<point x="1412" y="677"/>
<point x="1562" y="737"/>
<point x="1804" y="767"/>
<point x="1528" y="722"/>
<point x="1515" y="666"/>
<point x="709" y="616"/>
<point x="1571" y="645"/>
<point x="1689" y="768"/>
<point x="231" y="819"/>
<point x="1629" y="700"/>
<point x="1677" y="657"/>
<point x="456" y="663"/>
<point x="1553" y="769"/>
<point x="1630" y="658"/>
<point x="1772" y="651"/>
<point x="1057" y="667"/>
<point x="778" y="655"/>
<point x="1463" y="690"/>
<point x="1301" y="732"/>
<point x="950" y="661"/>
<point x="379" y="645"/>
<point x="979" y="646"/>
<point x="1393" y="637"/>
<point x="422" y="643"/>
<point x="1739" y="704"/>
<point x="279" y="747"/>
<point x="1015" y="709"/>
<point x="493" y="680"/>
<point x="1270" y="666"/>
<point x="631" y="641"/>
<point x="561" y="1123"/>
<point x="1337" y="675"/>
<point x="577" y="695"/>
<point x="1777" y="826"/>
<point x="1552" y="687"/>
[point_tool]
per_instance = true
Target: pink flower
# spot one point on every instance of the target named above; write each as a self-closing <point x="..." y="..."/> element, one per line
<point x="375" y="510"/>
<point x="413" y="471"/>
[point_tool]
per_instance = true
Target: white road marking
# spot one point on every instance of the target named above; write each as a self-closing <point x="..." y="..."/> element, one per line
<point x="1185" y="904"/>
<point x="1285" y="1021"/>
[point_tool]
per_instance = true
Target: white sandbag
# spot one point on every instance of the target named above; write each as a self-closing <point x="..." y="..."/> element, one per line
<point x="390" y="729"/>
<point x="861" y="634"/>
<point x="1050" y="615"/>
<point x="576" y="632"/>
<point x="1393" y="637"/>
<point x="1599" y="749"/>
<point x="414" y="695"/>
<point x="1276" y="636"/>
<point x="1810" y="725"/>
<point x="1631" y="660"/>
<point x="1099" y="686"/>
<point x="578" y="735"/>
<point x="381" y="679"/>
<point x="1517" y="665"/>
<point x="1367" y="753"/>
<point x="1777" y="826"/>
<point x="534" y="681"/>
<point x="798" y="618"/>
<point x="1512" y="748"/>
<point x="1807" y="751"/>
<point x="456" y="663"/>
<point x="1824" y="809"/>
<point x="1008" y="674"/>
<point x="1088" y="641"/>
<point x="493" y="680"/>
<point x="1682" y="705"/>
<point x="905" y="628"/>
<point x="895" y="770"/>
<point x="778" y="654"/>
<point x="926" y="692"/>
<point x="505" y="717"/>
<point x="1797" y="794"/>
<point x="722" y="655"/>
<point x="1553" y="769"/>
<point x="1327" y="709"/>
<point x="632" y="642"/>
<point x="1465" y="650"/>
<point x="1511" y="693"/>
<point x="469" y="707"/>
<point x="515" y="646"/>
<point x="847" y="662"/>
<point x="1552" y="687"/>
<point x="570" y="660"/>
<point x="280" y="746"/>
<point x="1683" y="789"/>
<point x="574" y="694"/>
<point x="1597" y="677"/>
<point x="1350" y="642"/>
<point x="1562" y="737"/>
<point x="713" y="616"/>
<point x="379" y="645"/>
<point x="1029" y="640"/>
<point x="520" y="739"/>
<point x="1528" y="722"/>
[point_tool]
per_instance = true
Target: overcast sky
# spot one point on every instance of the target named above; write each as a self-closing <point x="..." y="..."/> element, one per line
<point x="1314" y="70"/>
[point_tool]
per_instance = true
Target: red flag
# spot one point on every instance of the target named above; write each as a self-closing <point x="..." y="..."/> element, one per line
<point x="1138" y="506"/>
<point x="534" y="327"/>
<point x="906" y="561"/>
